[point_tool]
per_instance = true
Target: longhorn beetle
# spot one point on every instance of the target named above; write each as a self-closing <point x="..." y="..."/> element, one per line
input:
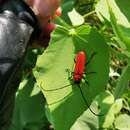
<point x="78" y="75"/>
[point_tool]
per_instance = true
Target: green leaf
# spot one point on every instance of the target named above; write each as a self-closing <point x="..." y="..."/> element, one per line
<point x="88" y="121"/>
<point x="105" y="101"/>
<point x="123" y="82"/>
<point x="102" y="10"/>
<point x="67" y="6"/>
<point x="76" y="18"/>
<point x="112" y="109"/>
<point x="29" y="112"/>
<point x="117" y="106"/>
<point x="117" y="12"/>
<point x="121" y="26"/>
<point x="122" y="122"/>
<point x="67" y="104"/>
<point x="119" y="7"/>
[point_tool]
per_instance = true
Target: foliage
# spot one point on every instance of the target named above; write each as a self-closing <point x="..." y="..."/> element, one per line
<point x="89" y="121"/>
<point x="53" y="75"/>
<point x="104" y="30"/>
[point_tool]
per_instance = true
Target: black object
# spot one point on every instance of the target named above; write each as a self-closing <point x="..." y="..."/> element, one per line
<point x="17" y="24"/>
<point x="23" y="12"/>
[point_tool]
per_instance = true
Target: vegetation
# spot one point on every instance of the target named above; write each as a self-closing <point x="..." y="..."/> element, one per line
<point x="93" y="26"/>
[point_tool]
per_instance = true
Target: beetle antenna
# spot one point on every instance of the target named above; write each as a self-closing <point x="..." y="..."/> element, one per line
<point x="59" y="100"/>
<point x="87" y="103"/>
<point x="55" y="89"/>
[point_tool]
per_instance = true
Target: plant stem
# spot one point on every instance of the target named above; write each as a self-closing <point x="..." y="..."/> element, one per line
<point x="88" y="14"/>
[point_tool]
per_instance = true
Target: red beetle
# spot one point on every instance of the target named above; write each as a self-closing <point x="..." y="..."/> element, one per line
<point x="79" y="69"/>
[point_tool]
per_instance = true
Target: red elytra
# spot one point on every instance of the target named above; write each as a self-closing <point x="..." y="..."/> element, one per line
<point x="79" y="69"/>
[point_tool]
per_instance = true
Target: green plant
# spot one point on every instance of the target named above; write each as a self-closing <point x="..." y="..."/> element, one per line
<point x="104" y="30"/>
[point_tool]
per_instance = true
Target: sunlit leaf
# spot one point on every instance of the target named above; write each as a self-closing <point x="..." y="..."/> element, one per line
<point x="88" y="121"/>
<point x="75" y="18"/>
<point x="122" y="83"/>
<point x="50" y="72"/>
<point x="117" y="106"/>
<point x="122" y="122"/>
<point x="117" y="13"/>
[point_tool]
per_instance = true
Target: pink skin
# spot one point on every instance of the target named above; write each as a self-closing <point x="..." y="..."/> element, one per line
<point x="45" y="10"/>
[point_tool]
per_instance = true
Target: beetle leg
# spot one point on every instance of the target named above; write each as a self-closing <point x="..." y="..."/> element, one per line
<point x="86" y="81"/>
<point x="60" y="100"/>
<point x="74" y="60"/>
<point x="88" y="73"/>
<point x="91" y="57"/>
<point x="70" y="73"/>
<point x="84" y="77"/>
<point x="54" y="89"/>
